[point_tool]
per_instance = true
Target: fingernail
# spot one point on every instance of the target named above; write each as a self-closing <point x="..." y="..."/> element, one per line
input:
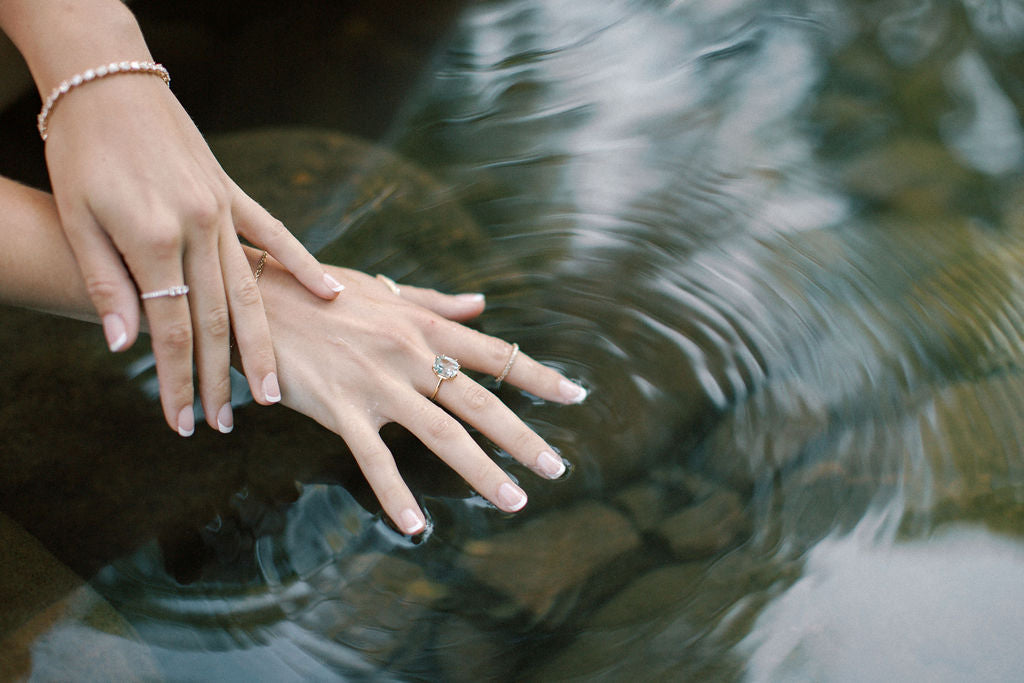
<point x="511" y="498"/>
<point x="225" y="419"/>
<point x="550" y="464"/>
<point x="186" y="421"/>
<point x="271" y="389"/>
<point x="572" y="392"/>
<point x="470" y="298"/>
<point x="114" y="331"/>
<point x="412" y="521"/>
<point x="333" y="284"/>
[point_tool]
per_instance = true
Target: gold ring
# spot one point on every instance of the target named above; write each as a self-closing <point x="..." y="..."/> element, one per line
<point x="390" y="283"/>
<point x="259" y="266"/>
<point x="445" y="367"/>
<point x="508" y="364"/>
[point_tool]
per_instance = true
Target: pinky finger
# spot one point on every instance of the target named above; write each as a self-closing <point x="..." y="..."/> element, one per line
<point x="381" y="472"/>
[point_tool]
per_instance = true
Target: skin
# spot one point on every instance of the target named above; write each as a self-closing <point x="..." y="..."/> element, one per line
<point x="145" y="205"/>
<point x="353" y="364"/>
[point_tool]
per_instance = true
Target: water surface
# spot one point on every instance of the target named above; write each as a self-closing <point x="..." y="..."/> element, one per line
<point x="780" y="242"/>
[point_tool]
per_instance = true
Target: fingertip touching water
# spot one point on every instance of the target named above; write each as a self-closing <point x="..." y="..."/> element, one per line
<point x="781" y="245"/>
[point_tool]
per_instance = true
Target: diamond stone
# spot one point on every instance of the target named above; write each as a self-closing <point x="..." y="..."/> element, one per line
<point x="445" y="367"/>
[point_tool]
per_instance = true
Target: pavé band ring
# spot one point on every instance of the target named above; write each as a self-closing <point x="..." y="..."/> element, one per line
<point x="445" y="367"/>
<point x="508" y="364"/>
<point x="177" y="290"/>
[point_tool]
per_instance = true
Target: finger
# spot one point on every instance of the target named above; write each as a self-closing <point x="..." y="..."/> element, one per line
<point x="108" y="282"/>
<point x="212" y="326"/>
<point x="254" y="223"/>
<point x="484" y="353"/>
<point x="458" y="307"/>
<point x="170" y="326"/>
<point x="378" y="466"/>
<point x="442" y="434"/>
<point x="482" y="409"/>
<point x="249" y="321"/>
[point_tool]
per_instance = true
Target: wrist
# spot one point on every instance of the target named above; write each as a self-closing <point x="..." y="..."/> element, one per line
<point x="59" y="38"/>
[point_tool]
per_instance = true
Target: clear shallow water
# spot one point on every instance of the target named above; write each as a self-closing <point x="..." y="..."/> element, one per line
<point x="781" y="244"/>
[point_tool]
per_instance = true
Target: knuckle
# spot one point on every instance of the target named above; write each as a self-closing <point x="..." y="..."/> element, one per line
<point x="400" y="340"/>
<point x="377" y="465"/>
<point x="247" y="293"/>
<point x="216" y="389"/>
<point x="217" y="322"/>
<point x="100" y="287"/>
<point x="524" y="442"/>
<point x="276" y="230"/>
<point x="440" y="426"/>
<point x="484" y="471"/>
<point x="477" y="398"/>
<point x="258" y="359"/>
<point x="163" y="241"/>
<point x="177" y="337"/>
<point x="205" y="211"/>
<point x="423" y="318"/>
<point x="498" y="349"/>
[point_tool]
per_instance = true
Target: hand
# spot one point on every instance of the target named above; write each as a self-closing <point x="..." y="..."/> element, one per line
<point x="359" y="363"/>
<point x="145" y="206"/>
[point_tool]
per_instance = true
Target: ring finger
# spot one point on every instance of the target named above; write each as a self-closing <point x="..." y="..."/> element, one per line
<point x="170" y="327"/>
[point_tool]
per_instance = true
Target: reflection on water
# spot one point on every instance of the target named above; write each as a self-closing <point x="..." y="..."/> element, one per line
<point x="870" y="609"/>
<point x="780" y="242"/>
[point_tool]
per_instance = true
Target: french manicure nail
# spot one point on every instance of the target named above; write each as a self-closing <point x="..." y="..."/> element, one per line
<point x="572" y="392"/>
<point x="471" y="298"/>
<point x="333" y="284"/>
<point x="550" y="464"/>
<point x="186" y="421"/>
<point x="511" y="498"/>
<point x="271" y="389"/>
<point x="225" y="419"/>
<point x="412" y="521"/>
<point x="115" y="332"/>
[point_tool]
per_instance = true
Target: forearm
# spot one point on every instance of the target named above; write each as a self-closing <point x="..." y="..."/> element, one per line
<point x="59" y="38"/>
<point x="37" y="267"/>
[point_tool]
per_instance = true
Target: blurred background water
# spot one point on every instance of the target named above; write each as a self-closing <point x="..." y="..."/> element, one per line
<point x="780" y="242"/>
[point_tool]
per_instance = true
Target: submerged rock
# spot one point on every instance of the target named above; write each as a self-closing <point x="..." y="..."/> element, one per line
<point x="707" y="528"/>
<point x="550" y="555"/>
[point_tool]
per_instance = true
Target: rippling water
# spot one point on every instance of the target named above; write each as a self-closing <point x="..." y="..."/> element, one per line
<point x="782" y="245"/>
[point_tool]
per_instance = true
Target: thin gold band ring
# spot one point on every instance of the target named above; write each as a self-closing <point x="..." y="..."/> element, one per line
<point x="508" y="364"/>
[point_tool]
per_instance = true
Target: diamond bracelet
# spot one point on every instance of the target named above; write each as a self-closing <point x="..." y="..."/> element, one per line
<point x="91" y="75"/>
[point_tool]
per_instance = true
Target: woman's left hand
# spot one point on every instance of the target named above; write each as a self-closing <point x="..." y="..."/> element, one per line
<point x="365" y="360"/>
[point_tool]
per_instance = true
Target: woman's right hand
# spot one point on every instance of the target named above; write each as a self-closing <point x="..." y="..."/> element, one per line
<point x="145" y="204"/>
<point x="146" y="208"/>
<point x="359" y="363"/>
